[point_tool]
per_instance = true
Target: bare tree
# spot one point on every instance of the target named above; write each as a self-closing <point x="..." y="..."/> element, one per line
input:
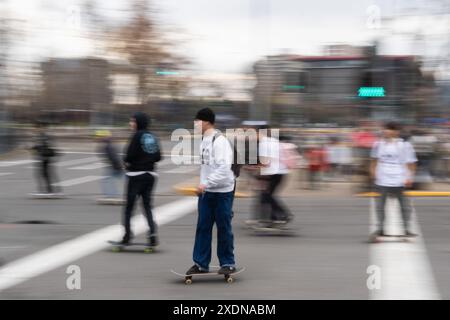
<point x="143" y="44"/>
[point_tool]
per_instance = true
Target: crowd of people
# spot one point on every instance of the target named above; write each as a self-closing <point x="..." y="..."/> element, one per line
<point x="389" y="159"/>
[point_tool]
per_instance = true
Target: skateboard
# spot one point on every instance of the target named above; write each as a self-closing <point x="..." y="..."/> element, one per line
<point x="390" y="238"/>
<point x="111" y="201"/>
<point x="229" y="278"/>
<point x="47" y="195"/>
<point x="117" y="246"/>
<point x="268" y="227"/>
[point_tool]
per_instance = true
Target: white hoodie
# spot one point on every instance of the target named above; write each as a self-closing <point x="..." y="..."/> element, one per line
<point x="216" y="159"/>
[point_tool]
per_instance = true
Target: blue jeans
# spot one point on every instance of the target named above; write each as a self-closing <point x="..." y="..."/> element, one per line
<point x="214" y="207"/>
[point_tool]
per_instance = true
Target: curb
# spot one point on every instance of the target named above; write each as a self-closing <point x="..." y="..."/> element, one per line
<point x="409" y="194"/>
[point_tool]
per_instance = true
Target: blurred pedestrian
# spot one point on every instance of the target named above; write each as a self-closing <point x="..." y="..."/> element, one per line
<point x="425" y="146"/>
<point x="392" y="168"/>
<point x="114" y="170"/>
<point x="289" y="153"/>
<point x="333" y="157"/>
<point x="272" y="175"/>
<point x="363" y="139"/>
<point x="45" y="153"/>
<point x="142" y="153"/>
<point x="215" y="197"/>
<point x="317" y="165"/>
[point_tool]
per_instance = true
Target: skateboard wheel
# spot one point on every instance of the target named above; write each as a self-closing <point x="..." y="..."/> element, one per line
<point x="188" y="281"/>
<point x="148" y="250"/>
<point x="229" y="279"/>
<point x="116" y="249"/>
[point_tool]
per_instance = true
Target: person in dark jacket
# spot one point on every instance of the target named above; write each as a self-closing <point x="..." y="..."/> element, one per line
<point x="142" y="153"/>
<point x="45" y="153"/>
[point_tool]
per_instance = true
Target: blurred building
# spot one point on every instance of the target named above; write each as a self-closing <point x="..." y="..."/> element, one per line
<point x="293" y="90"/>
<point x="74" y="85"/>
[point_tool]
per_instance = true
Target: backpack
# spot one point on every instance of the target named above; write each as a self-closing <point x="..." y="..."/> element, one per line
<point x="150" y="146"/>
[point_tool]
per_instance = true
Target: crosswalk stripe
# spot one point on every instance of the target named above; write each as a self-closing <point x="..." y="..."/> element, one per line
<point x="15" y="163"/>
<point x="406" y="272"/>
<point x="76" y="161"/>
<point x="5" y="174"/>
<point x="92" y="166"/>
<point x="76" y="181"/>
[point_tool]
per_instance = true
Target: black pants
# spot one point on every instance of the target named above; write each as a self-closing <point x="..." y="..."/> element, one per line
<point x="141" y="185"/>
<point x="44" y="176"/>
<point x="268" y="200"/>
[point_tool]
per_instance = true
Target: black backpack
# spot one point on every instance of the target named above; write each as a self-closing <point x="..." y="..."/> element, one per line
<point x="235" y="166"/>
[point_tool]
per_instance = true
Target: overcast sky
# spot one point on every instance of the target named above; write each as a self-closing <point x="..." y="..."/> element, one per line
<point x="224" y="35"/>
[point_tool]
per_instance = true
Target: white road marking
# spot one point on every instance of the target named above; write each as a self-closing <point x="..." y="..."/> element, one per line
<point x="80" y="152"/>
<point x="76" y="161"/>
<point x="59" y="255"/>
<point x="76" y="181"/>
<point x="92" y="166"/>
<point x="406" y="272"/>
<point x="15" y="163"/>
<point x="2" y="174"/>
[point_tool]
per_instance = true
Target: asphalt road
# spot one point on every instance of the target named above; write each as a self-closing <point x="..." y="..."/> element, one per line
<point x="325" y="256"/>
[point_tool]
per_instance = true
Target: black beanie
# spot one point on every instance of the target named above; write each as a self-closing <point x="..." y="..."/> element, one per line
<point x="206" y="114"/>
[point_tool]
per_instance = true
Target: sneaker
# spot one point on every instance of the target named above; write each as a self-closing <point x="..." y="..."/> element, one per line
<point x="226" y="270"/>
<point x="379" y="233"/>
<point x="410" y="234"/>
<point x="251" y="222"/>
<point x="279" y="222"/>
<point x="195" y="269"/>
<point x="125" y="241"/>
<point x="376" y="234"/>
<point x="153" y="241"/>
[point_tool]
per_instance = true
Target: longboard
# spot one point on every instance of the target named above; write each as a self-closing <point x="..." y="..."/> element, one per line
<point x="391" y="238"/>
<point x="111" y="201"/>
<point x="117" y="246"/>
<point x="269" y="228"/>
<point x="47" y="195"/>
<point x="229" y="278"/>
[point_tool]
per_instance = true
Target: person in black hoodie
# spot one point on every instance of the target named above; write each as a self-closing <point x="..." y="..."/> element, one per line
<point x="142" y="153"/>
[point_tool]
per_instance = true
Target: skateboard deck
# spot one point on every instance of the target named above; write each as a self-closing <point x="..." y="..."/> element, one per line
<point x="118" y="247"/>
<point x="391" y="238"/>
<point x="36" y="195"/>
<point x="229" y="278"/>
<point x="111" y="201"/>
<point x="273" y="231"/>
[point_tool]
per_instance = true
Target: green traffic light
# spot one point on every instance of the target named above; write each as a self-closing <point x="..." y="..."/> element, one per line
<point x="167" y="73"/>
<point x="286" y="87"/>
<point x="371" y="92"/>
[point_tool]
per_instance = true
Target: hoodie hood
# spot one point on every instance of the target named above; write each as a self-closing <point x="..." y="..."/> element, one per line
<point x="142" y="120"/>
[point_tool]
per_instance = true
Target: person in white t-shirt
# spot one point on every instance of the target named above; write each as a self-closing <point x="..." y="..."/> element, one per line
<point x="393" y="168"/>
<point x="273" y="172"/>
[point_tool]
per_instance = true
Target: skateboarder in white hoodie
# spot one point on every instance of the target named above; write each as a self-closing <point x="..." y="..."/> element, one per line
<point x="215" y="197"/>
